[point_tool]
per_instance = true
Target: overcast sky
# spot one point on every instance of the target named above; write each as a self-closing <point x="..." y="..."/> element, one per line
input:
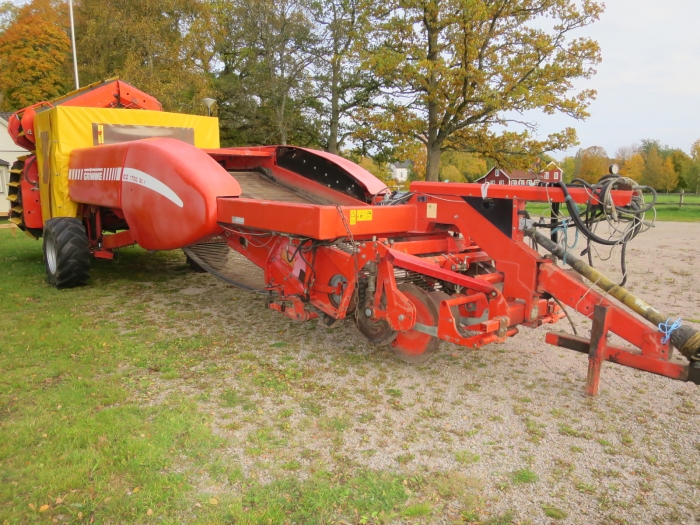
<point x="649" y="81"/>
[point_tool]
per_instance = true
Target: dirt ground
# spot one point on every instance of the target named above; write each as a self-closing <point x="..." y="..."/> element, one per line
<point x="508" y="422"/>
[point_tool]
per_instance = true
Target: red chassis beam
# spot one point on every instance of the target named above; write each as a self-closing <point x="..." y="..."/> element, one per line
<point x="527" y="275"/>
<point x="524" y="193"/>
<point x="396" y="235"/>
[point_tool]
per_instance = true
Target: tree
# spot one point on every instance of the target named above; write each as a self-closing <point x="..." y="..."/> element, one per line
<point x="455" y="70"/>
<point x="35" y="56"/>
<point x="668" y="180"/>
<point x="157" y="46"/>
<point x="633" y="167"/>
<point x="568" y="167"/>
<point x="463" y="167"/>
<point x="594" y="164"/>
<point x="267" y="52"/>
<point x="695" y="151"/>
<point x="654" y="164"/>
<point x="681" y="165"/>
<point x="8" y="15"/>
<point x="343" y="84"/>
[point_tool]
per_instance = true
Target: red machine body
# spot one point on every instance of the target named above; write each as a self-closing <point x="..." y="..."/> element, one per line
<point x="165" y="190"/>
<point x="328" y="240"/>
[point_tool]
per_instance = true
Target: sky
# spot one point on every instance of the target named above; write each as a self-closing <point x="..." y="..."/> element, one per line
<point x="648" y="83"/>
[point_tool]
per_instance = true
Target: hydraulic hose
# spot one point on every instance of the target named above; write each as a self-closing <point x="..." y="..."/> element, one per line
<point x="685" y="338"/>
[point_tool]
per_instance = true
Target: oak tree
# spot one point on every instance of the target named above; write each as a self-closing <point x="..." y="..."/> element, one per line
<point x="459" y="72"/>
<point x="35" y="55"/>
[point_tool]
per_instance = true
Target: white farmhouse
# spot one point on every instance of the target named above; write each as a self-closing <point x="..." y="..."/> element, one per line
<point x="399" y="171"/>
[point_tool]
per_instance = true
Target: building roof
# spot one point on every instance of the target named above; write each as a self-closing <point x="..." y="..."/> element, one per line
<point x="5" y="115"/>
<point x="406" y="165"/>
<point x="4" y="163"/>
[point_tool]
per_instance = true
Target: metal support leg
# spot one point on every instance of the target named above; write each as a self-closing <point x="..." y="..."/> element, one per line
<point x="597" y="350"/>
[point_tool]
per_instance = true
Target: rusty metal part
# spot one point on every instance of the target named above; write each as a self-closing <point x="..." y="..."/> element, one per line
<point x="686" y="339"/>
<point x="376" y="331"/>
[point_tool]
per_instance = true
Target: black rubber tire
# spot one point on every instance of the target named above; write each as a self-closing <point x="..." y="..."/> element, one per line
<point x="66" y="252"/>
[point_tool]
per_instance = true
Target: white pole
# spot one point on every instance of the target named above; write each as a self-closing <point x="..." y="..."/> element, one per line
<point x="72" y="39"/>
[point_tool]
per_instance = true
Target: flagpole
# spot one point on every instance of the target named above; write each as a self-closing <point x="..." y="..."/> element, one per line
<point x="72" y="39"/>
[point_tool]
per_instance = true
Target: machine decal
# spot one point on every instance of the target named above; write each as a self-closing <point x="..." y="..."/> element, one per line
<point x="147" y="181"/>
<point x="360" y="215"/>
<point x="94" y="174"/>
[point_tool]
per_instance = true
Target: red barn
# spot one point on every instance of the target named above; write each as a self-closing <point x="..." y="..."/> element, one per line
<point x="522" y="178"/>
<point x="510" y="178"/>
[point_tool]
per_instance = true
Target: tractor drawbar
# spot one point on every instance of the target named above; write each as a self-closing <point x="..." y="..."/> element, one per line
<point x="685" y="338"/>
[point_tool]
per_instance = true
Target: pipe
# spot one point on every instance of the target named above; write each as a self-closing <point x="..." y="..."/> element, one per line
<point x="686" y="339"/>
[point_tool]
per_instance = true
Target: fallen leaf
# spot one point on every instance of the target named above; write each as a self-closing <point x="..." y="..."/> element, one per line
<point x="59" y="501"/>
<point x="213" y="501"/>
<point x="149" y="512"/>
<point x="44" y="508"/>
<point x="32" y="506"/>
<point x="80" y="515"/>
<point x="198" y="505"/>
<point x="136" y="489"/>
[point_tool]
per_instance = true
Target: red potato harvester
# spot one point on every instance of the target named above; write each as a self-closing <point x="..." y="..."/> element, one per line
<point x="323" y="238"/>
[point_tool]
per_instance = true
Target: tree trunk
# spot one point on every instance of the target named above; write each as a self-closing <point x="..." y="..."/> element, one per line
<point x="432" y="169"/>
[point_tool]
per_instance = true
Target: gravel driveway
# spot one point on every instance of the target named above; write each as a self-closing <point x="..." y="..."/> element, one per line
<point x="507" y="428"/>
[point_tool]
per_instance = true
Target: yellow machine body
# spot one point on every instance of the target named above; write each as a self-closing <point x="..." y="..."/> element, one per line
<point x="62" y="129"/>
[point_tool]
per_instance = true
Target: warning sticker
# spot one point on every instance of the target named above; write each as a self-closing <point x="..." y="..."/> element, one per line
<point x="432" y="210"/>
<point x="360" y="215"/>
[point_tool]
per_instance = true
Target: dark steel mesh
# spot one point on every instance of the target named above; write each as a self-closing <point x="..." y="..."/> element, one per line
<point x="217" y="258"/>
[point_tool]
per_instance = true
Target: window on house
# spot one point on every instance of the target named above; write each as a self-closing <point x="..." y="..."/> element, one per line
<point x="500" y="182"/>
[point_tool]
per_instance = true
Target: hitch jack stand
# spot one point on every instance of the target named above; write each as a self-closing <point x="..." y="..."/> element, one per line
<point x="598" y="348"/>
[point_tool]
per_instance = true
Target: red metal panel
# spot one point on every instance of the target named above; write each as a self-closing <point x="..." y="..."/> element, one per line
<point x="169" y="192"/>
<point x="31" y="198"/>
<point x="314" y="221"/>
<point x="527" y="193"/>
<point x="94" y="175"/>
<point x="265" y="156"/>
<point x="371" y="183"/>
<point x="416" y="264"/>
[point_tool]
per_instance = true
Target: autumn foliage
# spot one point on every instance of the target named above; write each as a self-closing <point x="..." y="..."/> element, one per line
<point x="35" y="52"/>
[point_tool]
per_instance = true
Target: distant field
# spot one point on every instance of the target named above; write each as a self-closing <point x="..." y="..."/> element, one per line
<point x="666" y="209"/>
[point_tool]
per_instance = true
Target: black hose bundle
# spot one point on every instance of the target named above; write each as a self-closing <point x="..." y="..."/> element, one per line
<point x="601" y="207"/>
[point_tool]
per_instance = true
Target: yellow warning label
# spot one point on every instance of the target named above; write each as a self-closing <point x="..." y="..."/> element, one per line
<point x="360" y="215"/>
<point x="364" y="215"/>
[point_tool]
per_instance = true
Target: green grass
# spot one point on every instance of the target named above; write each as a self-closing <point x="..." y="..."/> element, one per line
<point x="81" y="436"/>
<point x="554" y="513"/>
<point x="524" y="476"/>
<point x="667" y="209"/>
